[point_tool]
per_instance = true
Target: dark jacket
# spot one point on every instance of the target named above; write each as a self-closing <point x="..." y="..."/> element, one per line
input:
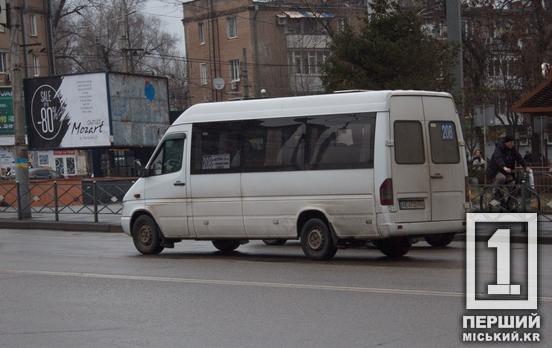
<point x="504" y="157"/>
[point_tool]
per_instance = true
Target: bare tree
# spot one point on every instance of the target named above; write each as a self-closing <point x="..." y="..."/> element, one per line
<point x="504" y="44"/>
<point x="103" y="35"/>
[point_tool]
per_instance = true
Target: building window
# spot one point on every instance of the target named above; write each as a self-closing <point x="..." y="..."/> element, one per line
<point x="203" y="73"/>
<point x="341" y="24"/>
<point x="201" y="32"/>
<point x="3" y="63"/>
<point x="232" y="27"/>
<point x="36" y="66"/>
<point x="235" y="70"/>
<point x="297" y="62"/>
<point x="308" y="62"/>
<point x="34" y="27"/>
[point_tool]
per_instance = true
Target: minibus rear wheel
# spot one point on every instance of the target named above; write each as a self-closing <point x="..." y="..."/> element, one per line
<point x="316" y="240"/>
<point x="146" y="236"/>
<point x="226" y="245"/>
<point x="439" y="240"/>
<point x="394" y="247"/>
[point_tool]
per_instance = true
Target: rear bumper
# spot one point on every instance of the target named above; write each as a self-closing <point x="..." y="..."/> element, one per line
<point x="421" y="228"/>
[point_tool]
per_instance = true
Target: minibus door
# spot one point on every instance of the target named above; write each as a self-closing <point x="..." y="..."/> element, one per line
<point x="165" y="186"/>
<point x="446" y="167"/>
<point x="409" y="160"/>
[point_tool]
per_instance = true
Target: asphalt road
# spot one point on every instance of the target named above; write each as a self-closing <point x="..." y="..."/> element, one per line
<point x="65" y="289"/>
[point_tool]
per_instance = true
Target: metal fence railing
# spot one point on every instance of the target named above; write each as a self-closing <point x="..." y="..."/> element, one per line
<point x="53" y="199"/>
<point x="517" y="197"/>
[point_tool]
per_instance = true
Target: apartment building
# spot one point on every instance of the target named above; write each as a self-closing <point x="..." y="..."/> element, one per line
<point x="239" y="49"/>
<point x="35" y="60"/>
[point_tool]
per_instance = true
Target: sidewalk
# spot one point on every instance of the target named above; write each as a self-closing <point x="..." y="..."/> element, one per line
<point x="67" y="222"/>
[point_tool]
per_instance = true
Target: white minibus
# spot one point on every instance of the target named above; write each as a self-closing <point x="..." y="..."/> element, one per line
<point x="329" y="170"/>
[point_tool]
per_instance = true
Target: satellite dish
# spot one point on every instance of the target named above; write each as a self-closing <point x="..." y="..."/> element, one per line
<point x="218" y="83"/>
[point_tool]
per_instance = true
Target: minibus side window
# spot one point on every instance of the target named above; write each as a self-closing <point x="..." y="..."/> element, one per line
<point x="169" y="157"/>
<point x="409" y="142"/>
<point x="444" y="143"/>
<point x="340" y="141"/>
<point x="216" y="147"/>
<point x="275" y="144"/>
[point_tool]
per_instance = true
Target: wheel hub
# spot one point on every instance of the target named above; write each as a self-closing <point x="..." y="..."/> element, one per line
<point x="145" y="235"/>
<point x="314" y="239"/>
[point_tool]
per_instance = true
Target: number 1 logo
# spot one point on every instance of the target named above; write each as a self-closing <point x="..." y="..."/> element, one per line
<point x="500" y="240"/>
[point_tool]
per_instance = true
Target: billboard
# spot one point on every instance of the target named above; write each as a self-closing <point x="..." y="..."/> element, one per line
<point x="139" y="109"/>
<point x="67" y="111"/>
<point x="6" y="111"/>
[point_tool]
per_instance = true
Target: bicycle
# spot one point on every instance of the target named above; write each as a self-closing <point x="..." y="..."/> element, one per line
<point x="515" y="195"/>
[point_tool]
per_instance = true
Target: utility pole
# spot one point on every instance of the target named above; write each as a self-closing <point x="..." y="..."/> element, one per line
<point x="50" y="39"/>
<point x="126" y="47"/>
<point x="21" y="151"/>
<point x="454" y="33"/>
<point x="245" y="75"/>
<point x="124" y="37"/>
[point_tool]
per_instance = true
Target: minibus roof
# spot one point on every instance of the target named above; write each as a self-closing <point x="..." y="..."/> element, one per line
<point x="339" y="103"/>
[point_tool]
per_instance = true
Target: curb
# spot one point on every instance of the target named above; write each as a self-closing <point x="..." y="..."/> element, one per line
<point x="60" y="226"/>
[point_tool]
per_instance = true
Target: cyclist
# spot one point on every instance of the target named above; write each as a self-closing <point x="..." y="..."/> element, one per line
<point x="503" y="162"/>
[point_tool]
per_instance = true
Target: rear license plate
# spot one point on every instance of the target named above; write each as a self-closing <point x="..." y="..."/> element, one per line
<point x="412" y="204"/>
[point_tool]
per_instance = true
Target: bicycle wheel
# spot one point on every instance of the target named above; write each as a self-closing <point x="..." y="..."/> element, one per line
<point x="490" y="201"/>
<point x="521" y="200"/>
<point x="531" y="203"/>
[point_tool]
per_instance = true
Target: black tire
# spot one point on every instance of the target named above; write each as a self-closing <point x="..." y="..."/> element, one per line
<point x="274" y="241"/>
<point x="439" y="240"/>
<point x="394" y="247"/>
<point x="226" y="245"/>
<point x="146" y="236"/>
<point x="316" y="240"/>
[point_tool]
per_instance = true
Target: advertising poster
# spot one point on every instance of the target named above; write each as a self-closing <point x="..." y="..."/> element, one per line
<point x="6" y="111"/>
<point x="67" y="112"/>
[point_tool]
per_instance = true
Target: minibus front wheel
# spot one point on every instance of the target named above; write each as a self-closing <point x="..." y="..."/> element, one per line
<point x="316" y="240"/>
<point x="146" y="236"/>
<point x="394" y="247"/>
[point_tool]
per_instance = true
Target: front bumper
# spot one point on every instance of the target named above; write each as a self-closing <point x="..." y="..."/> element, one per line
<point x="125" y="224"/>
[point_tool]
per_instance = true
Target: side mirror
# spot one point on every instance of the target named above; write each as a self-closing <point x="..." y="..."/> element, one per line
<point x="140" y="170"/>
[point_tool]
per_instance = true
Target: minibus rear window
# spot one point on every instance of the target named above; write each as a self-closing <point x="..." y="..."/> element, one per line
<point x="444" y="143"/>
<point x="409" y="142"/>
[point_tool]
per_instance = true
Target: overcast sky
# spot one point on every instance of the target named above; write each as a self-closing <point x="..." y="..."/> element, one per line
<point x="170" y="14"/>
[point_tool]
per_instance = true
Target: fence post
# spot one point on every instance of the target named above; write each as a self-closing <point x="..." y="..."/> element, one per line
<point x="18" y="189"/>
<point x="56" y="202"/>
<point x="95" y="201"/>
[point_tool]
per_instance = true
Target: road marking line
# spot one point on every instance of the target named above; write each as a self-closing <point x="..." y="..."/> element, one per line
<point x="198" y="281"/>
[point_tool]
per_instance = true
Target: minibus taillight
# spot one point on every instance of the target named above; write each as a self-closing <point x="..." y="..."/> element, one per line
<point x="386" y="192"/>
